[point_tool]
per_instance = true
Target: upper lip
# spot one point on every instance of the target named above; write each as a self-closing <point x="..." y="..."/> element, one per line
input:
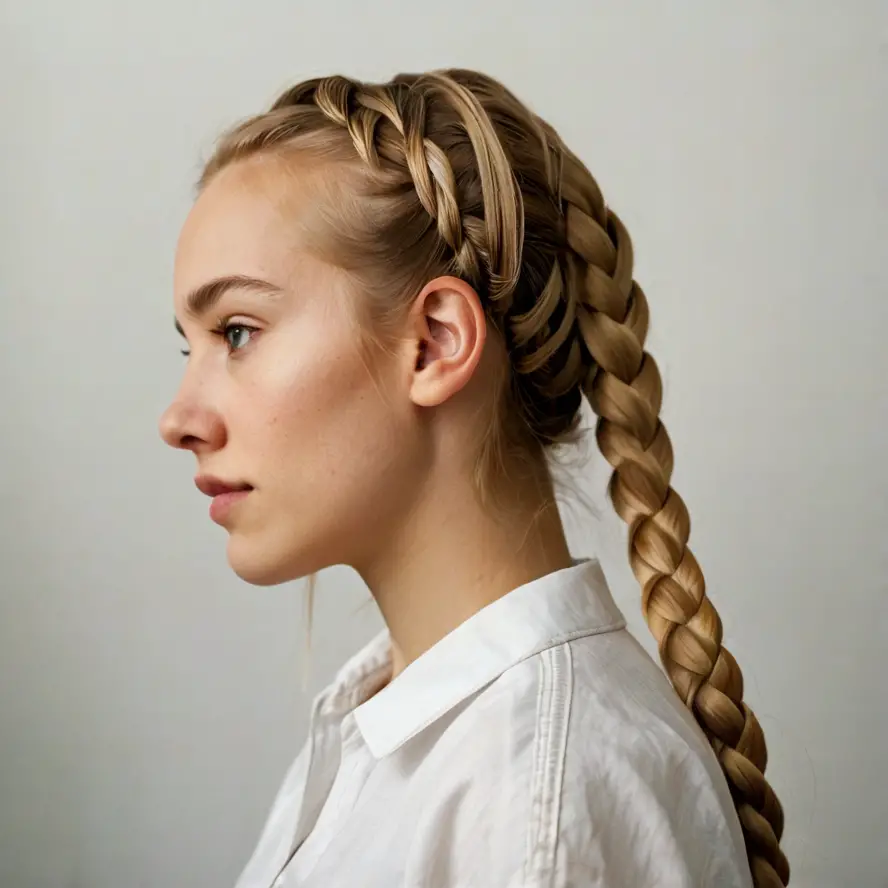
<point x="215" y="487"/>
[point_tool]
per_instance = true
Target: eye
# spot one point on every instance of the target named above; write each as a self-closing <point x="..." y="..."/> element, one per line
<point x="236" y="335"/>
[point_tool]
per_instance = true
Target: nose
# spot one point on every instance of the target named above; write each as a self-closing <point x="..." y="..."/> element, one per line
<point x="188" y="426"/>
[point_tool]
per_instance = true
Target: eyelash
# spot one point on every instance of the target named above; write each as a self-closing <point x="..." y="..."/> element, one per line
<point x="222" y="331"/>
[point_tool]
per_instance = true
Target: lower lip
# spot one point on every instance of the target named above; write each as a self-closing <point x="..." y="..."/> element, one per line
<point x="223" y="503"/>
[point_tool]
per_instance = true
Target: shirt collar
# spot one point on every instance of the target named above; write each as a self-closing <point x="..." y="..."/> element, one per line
<point x="565" y="604"/>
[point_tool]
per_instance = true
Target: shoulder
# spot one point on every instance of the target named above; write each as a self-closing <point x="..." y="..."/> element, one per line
<point x="641" y="793"/>
<point x="587" y="752"/>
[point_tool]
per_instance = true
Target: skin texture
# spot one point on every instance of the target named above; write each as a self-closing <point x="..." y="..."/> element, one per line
<point x="354" y="458"/>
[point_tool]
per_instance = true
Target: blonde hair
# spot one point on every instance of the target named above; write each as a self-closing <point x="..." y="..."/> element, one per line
<point x="449" y="173"/>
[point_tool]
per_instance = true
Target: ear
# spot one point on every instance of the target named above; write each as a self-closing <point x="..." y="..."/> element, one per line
<point x="448" y="330"/>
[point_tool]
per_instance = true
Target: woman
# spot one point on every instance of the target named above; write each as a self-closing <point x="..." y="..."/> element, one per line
<point x="395" y="297"/>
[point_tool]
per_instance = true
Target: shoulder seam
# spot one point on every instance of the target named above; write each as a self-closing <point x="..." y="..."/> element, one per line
<point x="553" y="718"/>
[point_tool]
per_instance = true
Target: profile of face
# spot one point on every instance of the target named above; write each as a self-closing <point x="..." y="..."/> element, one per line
<point x="277" y="397"/>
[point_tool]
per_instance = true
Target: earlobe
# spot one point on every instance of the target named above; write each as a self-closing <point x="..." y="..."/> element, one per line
<point x="450" y="328"/>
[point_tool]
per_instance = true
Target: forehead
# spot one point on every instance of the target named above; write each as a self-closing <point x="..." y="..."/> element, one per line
<point x="245" y="221"/>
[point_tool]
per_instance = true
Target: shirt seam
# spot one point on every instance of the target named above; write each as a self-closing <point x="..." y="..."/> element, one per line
<point x="554" y="698"/>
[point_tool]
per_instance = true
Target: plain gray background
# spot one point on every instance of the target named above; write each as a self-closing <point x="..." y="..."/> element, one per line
<point x="149" y="700"/>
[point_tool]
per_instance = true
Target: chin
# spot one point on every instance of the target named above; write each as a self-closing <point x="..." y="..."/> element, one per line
<point x="259" y="566"/>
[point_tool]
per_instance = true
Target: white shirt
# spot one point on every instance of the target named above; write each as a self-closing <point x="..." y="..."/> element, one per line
<point x="535" y="745"/>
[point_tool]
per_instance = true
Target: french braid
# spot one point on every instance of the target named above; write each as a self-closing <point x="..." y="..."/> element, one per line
<point x="507" y="207"/>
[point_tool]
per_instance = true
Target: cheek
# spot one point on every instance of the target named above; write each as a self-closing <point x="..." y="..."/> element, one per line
<point x="323" y="416"/>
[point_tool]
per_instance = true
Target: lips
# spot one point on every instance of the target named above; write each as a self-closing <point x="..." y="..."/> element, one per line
<point x="216" y="487"/>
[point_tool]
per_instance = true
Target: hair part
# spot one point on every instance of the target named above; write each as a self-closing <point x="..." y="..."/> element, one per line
<point x="447" y="172"/>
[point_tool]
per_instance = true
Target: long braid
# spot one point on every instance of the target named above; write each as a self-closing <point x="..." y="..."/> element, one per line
<point x="574" y="321"/>
<point x="625" y="390"/>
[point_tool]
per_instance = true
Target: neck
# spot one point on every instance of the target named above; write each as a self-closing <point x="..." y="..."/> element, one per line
<point x="456" y="557"/>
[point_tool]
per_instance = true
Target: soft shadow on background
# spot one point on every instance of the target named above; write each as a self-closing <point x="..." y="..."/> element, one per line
<point x="149" y="700"/>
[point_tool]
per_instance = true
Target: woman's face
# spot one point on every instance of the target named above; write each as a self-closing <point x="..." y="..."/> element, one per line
<point x="283" y="403"/>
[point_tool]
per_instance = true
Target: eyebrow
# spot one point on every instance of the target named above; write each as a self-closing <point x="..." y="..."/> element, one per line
<point x="201" y="299"/>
